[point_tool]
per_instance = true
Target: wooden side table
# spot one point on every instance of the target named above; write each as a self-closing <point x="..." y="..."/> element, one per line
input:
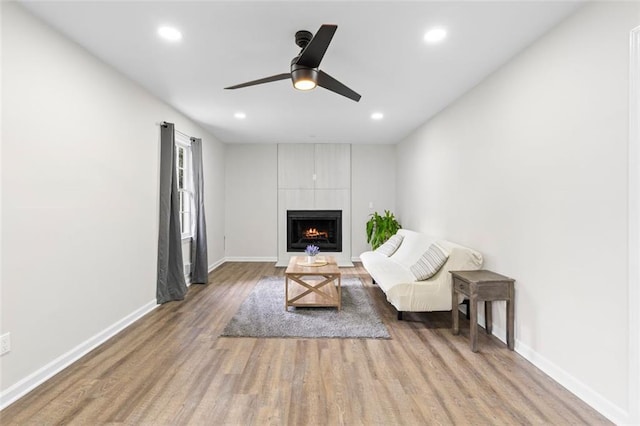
<point x="485" y="286"/>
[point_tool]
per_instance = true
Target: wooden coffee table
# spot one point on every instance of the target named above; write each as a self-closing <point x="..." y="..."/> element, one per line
<point x="312" y="286"/>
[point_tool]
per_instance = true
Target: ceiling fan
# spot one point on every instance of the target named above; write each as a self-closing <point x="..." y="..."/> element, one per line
<point x="305" y="74"/>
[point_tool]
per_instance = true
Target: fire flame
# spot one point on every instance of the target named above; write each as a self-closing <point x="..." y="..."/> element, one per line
<point x="314" y="233"/>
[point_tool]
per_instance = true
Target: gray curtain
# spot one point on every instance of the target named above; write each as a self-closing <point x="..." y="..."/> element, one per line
<point x="171" y="284"/>
<point x="199" y="263"/>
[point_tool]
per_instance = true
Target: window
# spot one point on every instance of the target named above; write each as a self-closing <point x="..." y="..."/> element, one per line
<point x="185" y="183"/>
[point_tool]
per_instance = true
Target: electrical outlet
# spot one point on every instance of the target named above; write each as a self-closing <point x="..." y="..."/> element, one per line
<point x="5" y="343"/>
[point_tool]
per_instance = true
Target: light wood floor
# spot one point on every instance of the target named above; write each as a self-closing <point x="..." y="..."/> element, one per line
<point x="172" y="368"/>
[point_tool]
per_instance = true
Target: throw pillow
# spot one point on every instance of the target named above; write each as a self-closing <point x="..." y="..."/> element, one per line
<point x="391" y="245"/>
<point x="430" y="263"/>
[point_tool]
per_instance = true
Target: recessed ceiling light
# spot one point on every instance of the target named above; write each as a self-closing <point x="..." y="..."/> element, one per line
<point x="169" y="33"/>
<point x="377" y="116"/>
<point x="435" y="35"/>
<point x="240" y="115"/>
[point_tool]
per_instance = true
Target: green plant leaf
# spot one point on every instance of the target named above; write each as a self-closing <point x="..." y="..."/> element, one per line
<point x="381" y="228"/>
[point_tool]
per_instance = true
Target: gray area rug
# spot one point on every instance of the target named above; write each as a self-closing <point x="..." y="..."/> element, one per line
<point x="262" y="314"/>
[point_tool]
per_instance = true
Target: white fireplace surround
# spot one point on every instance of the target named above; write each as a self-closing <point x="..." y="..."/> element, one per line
<point x="314" y="177"/>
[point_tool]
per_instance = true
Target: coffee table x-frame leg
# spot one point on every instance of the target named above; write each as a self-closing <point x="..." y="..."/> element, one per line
<point x="325" y="292"/>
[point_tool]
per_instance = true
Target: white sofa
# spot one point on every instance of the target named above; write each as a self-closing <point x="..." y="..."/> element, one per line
<point x="403" y="290"/>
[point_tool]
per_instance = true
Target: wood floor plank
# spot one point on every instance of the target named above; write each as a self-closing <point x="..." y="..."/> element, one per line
<point x="171" y="367"/>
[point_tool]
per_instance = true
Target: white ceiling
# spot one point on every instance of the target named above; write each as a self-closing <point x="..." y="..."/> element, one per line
<point x="378" y="50"/>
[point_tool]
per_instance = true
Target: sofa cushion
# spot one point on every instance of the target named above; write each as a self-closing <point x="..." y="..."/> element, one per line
<point x="412" y="247"/>
<point x="385" y="271"/>
<point x="430" y="262"/>
<point x="391" y="245"/>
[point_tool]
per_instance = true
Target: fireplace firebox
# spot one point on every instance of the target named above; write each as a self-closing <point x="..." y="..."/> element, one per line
<point x="322" y="228"/>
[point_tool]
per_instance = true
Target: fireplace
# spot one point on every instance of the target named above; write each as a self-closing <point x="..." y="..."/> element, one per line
<point x="322" y="228"/>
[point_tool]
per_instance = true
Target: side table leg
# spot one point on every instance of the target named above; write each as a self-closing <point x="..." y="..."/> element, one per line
<point x="473" y="324"/>
<point x="510" y="322"/>
<point x="488" y="316"/>
<point x="454" y="311"/>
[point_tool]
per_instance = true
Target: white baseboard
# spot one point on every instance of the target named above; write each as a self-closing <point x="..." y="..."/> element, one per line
<point x="21" y="388"/>
<point x="216" y="264"/>
<point x="605" y="407"/>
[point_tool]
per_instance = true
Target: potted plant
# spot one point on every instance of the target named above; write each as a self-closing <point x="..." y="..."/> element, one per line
<point x="381" y="228"/>
<point x="311" y="252"/>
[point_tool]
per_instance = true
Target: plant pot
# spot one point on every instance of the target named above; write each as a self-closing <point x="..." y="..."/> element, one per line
<point x="311" y="259"/>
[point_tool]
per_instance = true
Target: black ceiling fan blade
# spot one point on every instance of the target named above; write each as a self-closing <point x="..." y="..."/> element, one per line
<point x="330" y="83"/>
<point x="277" y="77"/>
<point x="313" y="53"/>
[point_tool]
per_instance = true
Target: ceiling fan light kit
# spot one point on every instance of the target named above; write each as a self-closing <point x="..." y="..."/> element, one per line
<point x="305" y="74"/>
<point x="303" y="78"/>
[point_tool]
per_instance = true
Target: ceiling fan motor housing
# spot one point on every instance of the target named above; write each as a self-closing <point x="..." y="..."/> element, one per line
<point x="303" y="38"/>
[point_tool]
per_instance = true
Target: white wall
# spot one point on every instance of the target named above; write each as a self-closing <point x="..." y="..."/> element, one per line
<point x="251" y="202"/>
<point x="530" y="168"/>
<point x="80" y="162"/>
<point x="373" y="183"/>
